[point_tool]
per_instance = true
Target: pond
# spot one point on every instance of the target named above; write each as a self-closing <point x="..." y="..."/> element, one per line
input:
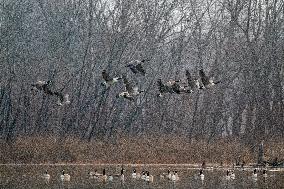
<point x="31" y="177"/>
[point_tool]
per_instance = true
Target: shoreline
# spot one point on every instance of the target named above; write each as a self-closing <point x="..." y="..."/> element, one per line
<point x="150" y="151"/>
<point x="184" y="165"/>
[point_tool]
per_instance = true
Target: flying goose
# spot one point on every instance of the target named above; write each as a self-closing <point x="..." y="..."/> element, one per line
<point x="64" y="176"/>
<point x="136" y="67"/>
<point x="206" y="81"/>
<point x="165" y="88"/>
<point x="62" y="99"/>
<point x="41" y="86"/>
<point x="193" y="83"/>
<point x="130" y="91"/>
<point x="108" y="81"/>
<point x="175" y="86"/>
<point x="178" y="89"/>
<point x="44" y="86"/>
<point x="171" y="82"/>
<point x="46" y="177"/>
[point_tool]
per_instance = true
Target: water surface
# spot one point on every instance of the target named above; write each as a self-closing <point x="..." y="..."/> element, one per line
<point x="30" y="177"/>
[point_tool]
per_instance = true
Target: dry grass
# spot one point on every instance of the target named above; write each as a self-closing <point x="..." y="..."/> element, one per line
<point x="166" y="149"/>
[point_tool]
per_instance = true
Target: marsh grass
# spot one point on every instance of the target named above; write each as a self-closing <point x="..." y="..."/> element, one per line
<point x="142" y="150"/>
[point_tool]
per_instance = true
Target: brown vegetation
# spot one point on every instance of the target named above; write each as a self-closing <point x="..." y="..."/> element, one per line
<point x="166" y="149"/>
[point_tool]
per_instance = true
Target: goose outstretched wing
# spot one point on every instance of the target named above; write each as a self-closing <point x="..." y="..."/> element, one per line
<point x="106" y="76"/>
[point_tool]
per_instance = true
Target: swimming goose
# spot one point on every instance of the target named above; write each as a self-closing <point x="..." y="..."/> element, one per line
<point x="201" y="174"/>
<point x="192" y="82"/>
<point x="169" y="175"/>
<point x="232" y="175"/>
<point x="228" y="175"/>
<point x="121" y="175"/>
<point x="130" y="91"/>
<point x="254" y="174"/>
<point x="104" y="176"/>
<point x="94" y="174"/>
<point x="64" y="176"/>
<point x="138" y="175"/>
<point x="206" y="81"/>
<point x="134" y="174"/>
<point x="264" y="173"/>
<point x="149" y="178"/>
<point x="166" y="175"/>
<point x="143" y="175"/>
<point x="175" y="176"/>
<point x="46" y="176"/>
<point x="110" y="178"/>
<point x="136" y="67"/>
<point x="108" y="81"/>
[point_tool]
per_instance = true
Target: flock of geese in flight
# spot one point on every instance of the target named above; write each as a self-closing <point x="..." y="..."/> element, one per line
<point x="130" y="91"/>
<point x="146" y="176"/>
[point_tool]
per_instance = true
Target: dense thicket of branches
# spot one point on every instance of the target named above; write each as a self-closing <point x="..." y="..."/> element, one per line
<point x="240" y="42"/>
